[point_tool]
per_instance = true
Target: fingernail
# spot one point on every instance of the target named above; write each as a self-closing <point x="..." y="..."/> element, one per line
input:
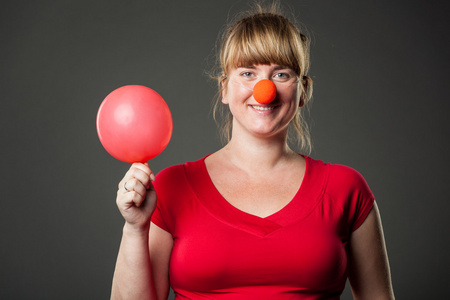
<point x="152" y="176"/>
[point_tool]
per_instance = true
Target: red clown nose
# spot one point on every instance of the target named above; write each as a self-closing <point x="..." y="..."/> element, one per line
<point x="264" y="91"/>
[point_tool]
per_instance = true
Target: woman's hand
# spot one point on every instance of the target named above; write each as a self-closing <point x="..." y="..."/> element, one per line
<point x="136" y="197"/>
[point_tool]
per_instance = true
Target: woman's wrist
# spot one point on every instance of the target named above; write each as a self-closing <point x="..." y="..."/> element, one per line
<point x="136" y="230"/>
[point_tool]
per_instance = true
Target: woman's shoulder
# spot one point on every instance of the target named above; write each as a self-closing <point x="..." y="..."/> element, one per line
<point x="347" y="188"/>
<point x="169" y="172"/>
<point x="340" y="176"/>
<point x="179" y="171"/>
<point x="346" y="176"/>
<point x="336" y="171"/>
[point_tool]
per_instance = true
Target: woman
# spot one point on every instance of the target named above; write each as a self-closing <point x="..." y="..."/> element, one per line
<point x="254" y="220"/>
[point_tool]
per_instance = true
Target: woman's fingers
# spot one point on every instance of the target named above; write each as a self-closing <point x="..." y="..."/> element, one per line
<point x="138" y="173"/>
<point x="136" y="198"/>
<point x="135" y="185"/>
<point x="132" y="198"/>
<point x="146" y="169"/>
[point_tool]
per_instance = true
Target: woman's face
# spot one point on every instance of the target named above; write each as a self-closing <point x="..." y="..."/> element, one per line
<point x="265" y="120"/>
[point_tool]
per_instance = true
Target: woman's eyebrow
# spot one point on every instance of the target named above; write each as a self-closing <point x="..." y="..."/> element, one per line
<point x="247" y="67"/>
<point x="276" y="68"/>
<point x="281" y="67"/>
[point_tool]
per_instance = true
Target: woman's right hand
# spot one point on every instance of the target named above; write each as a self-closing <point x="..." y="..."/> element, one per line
<point x="136" y="197"/>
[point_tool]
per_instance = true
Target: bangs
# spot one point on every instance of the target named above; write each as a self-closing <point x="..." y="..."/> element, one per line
<point x="264" y="36"/>
<point x="264" y="40"/>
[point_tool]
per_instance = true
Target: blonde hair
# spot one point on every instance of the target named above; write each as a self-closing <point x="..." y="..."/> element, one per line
<point x="264" y="36"/>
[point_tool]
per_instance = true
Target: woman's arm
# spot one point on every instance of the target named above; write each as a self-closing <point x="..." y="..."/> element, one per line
<point x="143" y="260"/>
<point x="142" y="268"/>
<point x="133" y="276"/>
<point x="160" y="245"/>
<point x="369" y="273"/>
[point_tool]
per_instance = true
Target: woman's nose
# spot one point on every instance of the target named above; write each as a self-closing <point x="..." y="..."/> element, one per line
<point x="264" y="91"/>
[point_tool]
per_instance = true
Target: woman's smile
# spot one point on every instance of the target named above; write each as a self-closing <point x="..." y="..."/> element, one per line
<point x="263" y="108"/>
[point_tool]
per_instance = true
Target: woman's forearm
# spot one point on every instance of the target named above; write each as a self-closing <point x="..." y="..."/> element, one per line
<point x="133" y="276"/>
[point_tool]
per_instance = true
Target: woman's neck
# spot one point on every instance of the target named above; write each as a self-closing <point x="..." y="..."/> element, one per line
<point x="258" y="154"/>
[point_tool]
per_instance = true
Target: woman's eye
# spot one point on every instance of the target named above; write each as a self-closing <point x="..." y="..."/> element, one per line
<point x="282" y="75"/>
<point x="246" y="74"/>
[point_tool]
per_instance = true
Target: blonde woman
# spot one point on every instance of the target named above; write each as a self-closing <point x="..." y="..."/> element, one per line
<point x="254" y="220"/>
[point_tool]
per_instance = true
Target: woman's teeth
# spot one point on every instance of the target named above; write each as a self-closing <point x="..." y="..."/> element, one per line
<point x="262" y="107"/>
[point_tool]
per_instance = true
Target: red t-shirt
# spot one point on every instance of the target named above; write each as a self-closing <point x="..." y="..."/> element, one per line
<point x="299" y="252"/>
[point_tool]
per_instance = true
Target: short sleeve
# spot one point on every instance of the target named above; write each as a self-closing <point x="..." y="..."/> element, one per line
<point x="158" y="219"/>
<point x="168" y="189"/>
<point x="354" y="193"/>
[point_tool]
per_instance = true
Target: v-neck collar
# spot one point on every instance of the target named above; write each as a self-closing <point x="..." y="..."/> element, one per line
<point x="305" y="200"/>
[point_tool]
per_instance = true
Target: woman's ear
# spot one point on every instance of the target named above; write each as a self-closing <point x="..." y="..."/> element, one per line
<point x="224" y="91"/>
<point x="304" y="87"/>
<point x="302" y="99"/>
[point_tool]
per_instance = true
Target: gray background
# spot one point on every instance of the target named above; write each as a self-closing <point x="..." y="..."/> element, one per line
<point x="381" y="99"/>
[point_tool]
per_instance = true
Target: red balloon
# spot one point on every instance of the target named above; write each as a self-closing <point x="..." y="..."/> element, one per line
<point x="134" y="123"/>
